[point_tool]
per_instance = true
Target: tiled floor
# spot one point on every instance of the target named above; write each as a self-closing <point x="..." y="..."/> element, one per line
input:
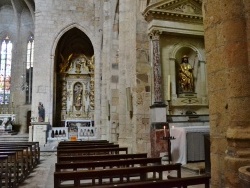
<point x="42" y="176"/>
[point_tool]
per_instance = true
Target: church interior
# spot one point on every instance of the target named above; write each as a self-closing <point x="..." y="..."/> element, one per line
<point x="131" y="72"/>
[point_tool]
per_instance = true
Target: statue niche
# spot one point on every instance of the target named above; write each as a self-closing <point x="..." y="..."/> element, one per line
<point x="78" y="89"/>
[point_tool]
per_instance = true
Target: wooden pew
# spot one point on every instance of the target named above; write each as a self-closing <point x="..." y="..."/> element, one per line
<point x="178" y="182"/>
<point x="34" y="149"/>
<point x="92" y="151"/>
<point x="88" y="146"/>
<point x="4" y="169"/>
<point x="65" y="159"/>
<point x="13" y="172"/>
<point x="28" y="153"/>
<point x="21" y="161"/>
<point x="83" y="142"/>
<point x="114" y="175"/>
<point x="75" y="166"/>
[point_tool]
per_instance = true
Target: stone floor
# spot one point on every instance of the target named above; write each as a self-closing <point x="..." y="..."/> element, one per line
<point x="42" y="176"/>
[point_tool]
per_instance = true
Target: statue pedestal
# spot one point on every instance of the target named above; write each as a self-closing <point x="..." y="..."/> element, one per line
<point x="158" y="129"/>
<point x="39" y="132"/>
<point x="158" y="113"/>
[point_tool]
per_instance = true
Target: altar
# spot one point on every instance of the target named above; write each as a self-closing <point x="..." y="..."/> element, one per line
<point x="188" y="145"/>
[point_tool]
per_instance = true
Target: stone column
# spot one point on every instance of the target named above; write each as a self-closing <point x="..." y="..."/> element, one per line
<point x="155" y="36"/>
<point x="158" y="109"/>
<point x="173" y="77"/>
<point x="203" y="83"/>
<point x="227" y="52"/>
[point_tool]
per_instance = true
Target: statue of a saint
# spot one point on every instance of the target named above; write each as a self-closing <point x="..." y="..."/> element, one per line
<point x="186" y="79"/>
<point x="41" y="112"/>
<point x="78" y="95"/>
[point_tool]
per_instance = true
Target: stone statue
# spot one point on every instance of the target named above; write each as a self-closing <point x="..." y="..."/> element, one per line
<point x="186" y="79"/>
<point x="41" y="112"/>
<point x="78" y="89"/>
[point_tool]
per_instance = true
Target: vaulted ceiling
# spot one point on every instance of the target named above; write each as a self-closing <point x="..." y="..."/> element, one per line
<point x="19" y="5"/>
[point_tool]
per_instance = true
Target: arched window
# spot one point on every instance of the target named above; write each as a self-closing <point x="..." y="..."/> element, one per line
<point x="5" y="70"/>
<point x="29" y="69"/>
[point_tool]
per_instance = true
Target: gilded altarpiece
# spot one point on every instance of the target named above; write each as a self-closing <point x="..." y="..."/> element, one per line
<point x="77" y="75"/>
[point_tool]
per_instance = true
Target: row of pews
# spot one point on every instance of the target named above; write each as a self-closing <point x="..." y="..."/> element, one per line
<point x="17" y="161"/>
<point x="102" y="164"/>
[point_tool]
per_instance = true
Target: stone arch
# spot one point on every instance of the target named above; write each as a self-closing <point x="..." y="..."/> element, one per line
<point x="67" y="28"/>
<point x="179" y="46"/>
<point x="72" y="41"/>
<point x="5" y="33"/>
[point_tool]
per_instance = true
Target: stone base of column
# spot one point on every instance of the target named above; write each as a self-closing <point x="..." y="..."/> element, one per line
<point x="158" y="112"/>
<point x="157" y="131"/>
<point x="158" y="144"/>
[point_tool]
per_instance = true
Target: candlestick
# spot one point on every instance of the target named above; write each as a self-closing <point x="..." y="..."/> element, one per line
<point x="169" y="88"/>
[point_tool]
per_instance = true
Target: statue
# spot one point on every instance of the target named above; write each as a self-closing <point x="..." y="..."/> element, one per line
<point x="78" y="96"/>
<point x="41" y="112"/>
<point x="186" y="79"/>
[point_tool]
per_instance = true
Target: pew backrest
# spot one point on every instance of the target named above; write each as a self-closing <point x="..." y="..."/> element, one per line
<point x="63" y="159"/>
<point x="91" y="151"/>
<point x="110" y="176"/>
<point x="180" y="182"/>
<point x="107" y="164"/>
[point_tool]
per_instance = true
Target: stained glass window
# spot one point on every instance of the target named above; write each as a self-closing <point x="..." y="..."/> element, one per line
<point x="5" y="70"/>
<point x="29" y="69"/>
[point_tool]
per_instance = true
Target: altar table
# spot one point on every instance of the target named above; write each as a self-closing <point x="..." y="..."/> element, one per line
<point x="188" y="144"/>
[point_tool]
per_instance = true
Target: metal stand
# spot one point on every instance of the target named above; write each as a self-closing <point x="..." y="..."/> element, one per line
<point x="168" y="139"/>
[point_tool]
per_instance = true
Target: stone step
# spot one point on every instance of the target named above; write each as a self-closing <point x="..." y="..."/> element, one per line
<point x="14" y="138"/>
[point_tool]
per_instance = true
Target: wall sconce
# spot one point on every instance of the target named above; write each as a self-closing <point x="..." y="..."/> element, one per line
<point x="129" y="101"/>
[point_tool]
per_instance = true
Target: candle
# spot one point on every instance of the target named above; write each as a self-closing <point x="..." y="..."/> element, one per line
<point x="165" y="134"/>
<point x="169" y="89"/>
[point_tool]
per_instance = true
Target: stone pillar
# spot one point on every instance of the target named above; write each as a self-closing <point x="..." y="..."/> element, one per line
<point x="173" y="77"/>
<point x="40" y="132"/>
<point x="155" y="36"/>
<point x="227" y="51"/>
<point x="158" y="109"/>
<point x="203" y="83"/>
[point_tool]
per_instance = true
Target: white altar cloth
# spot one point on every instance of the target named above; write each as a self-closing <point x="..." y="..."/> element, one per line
<point x="179" y="144"/>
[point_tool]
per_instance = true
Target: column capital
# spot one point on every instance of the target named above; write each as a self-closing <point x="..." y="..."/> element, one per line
<point x="155" y="34"/>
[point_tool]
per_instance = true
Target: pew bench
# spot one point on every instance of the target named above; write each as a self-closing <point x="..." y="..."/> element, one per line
<point x="83" y="142"/>
<point x="12" y="169"/>
<point x="171" y="183"/>
<point x="113" y="176"/>
<point x="4" y="169"/>
<point x="34" y="149"/>
<point x="91" y="151"/>
<point x="86" y="146"/>
<point x="66" y="159"/>
<point x="21" y="160"/>
<point x="76" y="166"/>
